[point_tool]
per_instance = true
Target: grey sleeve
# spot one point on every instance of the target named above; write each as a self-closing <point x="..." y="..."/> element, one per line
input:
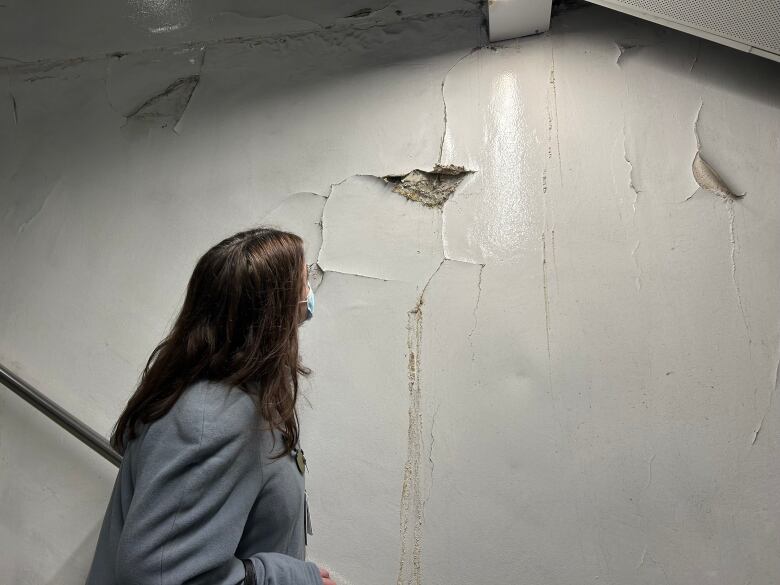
<point x="197" y="479"/>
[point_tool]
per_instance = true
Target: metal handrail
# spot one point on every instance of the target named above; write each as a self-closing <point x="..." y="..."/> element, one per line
<point x="83" y="432"/>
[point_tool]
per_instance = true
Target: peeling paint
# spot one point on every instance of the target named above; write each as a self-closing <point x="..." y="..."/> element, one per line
<point x="623" y="48"/>
<point x="704" y="175"/>
<point x="168" y="106"/>
<point x="433" y="188"/>
<point x="631" y="183"/>
<point x="709" y="179"/>
<point x="361" y="12"/>
<point x="476" y="356"/>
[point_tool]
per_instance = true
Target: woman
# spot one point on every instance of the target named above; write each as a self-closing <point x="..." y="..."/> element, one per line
<point x="211" y="487"/>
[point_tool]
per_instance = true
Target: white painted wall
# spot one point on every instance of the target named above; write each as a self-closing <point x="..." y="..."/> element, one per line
<point x="594" y="339"/>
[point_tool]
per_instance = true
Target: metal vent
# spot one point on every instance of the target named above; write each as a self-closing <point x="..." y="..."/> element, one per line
<point x="744" y="24"/>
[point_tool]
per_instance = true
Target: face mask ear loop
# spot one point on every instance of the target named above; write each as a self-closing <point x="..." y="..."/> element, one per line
<point x="309" y="303"/>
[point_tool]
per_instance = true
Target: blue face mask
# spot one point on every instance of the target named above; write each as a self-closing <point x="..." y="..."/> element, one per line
<point x="309" y="304"/>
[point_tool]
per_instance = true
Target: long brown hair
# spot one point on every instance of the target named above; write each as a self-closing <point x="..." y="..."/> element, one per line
<point x="238" y="325"/>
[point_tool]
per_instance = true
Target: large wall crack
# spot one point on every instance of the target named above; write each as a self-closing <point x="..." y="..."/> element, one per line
<point x="412" y="502"/>
<point x="444" y="102"/>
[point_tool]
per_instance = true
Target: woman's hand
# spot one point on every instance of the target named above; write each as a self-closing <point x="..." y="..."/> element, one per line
<point x="326" y="580"/>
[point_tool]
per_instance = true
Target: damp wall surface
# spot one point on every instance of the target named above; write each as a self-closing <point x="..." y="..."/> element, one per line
<point x="550" y="356"/>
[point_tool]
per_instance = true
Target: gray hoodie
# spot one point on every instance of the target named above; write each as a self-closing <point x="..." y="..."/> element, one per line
<point x="198" y="500"/>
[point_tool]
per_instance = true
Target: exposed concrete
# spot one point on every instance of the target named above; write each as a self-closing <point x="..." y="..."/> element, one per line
<point x="562" y="367"/>
<point x="703" y="173"/>
<point x="433" y="188"/>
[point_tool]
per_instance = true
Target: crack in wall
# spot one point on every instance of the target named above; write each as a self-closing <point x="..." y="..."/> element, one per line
<point x="707" y="178"/>
<point x="546" y="309"/>
<point x="355" y="274"/>
<point x="638" y="277"/>
<point x="167" y="107"/>
<point x="430" y="457"/>
<point x="363" y="12"/>
<point x="322" y="220"/>
<point x="14" y="108"/>
<point x="555" y="109"/>
<point x="552" y="124"/>
<point x="25" y="224"/>
<point x="695" y="56"/>
<point x="264" y="18"/>
<point x="554" y="88"/>
<point x="642" y="558"/>
<point x="772" y="393"/>
<point x="328" y="33"/>
<point x="412" y="503"/>
<point x="474" y="313"/>
<point x="703" y="173"/>
<point x="732" y="257"/>
<point x="444" y="101"/>
<point x="650" y="472"/>
<point x="631" y="182"/>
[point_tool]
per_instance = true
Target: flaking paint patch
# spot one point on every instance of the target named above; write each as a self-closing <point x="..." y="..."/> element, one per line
<point x="168" y="106"/>
<point x="430" y="188"/>
<point x="361" y="12"/>
<point x="703" y="173"/>
<point x="709" y="179"/>
<point x="623" y="48"/>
